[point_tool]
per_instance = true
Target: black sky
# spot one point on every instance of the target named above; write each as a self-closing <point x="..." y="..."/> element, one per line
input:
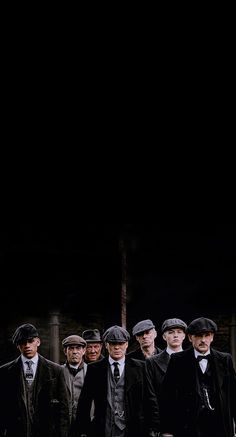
<point x="171" y="272"/>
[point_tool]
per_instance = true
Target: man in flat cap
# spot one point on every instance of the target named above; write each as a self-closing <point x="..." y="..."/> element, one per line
<point x="173" y="332"/>
<point x="93" y="351"/>
<point x="33" y="393"/>
<point x="198" y="392"/>
<point x="75" y="370"/>
<point x="145" y="334"/>
<point x="115" y="384"/>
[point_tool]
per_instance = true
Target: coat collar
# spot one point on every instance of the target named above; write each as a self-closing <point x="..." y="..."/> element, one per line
<point x="162" y="360"/>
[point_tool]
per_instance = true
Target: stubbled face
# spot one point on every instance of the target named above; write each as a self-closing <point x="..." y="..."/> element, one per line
<point x="93" y="351"/>
<point x="117" y="350"/>
<point x="146" y="338"/>
<point x="174" y="338"/>
<point x="201" y="342"/>
<point x="29" y="348"/>
<point x="74" y="354"/>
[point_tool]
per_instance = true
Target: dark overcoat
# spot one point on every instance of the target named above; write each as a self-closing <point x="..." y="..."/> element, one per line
<point x="51" y="409"/>
<point x="180" y="396"/>
<point x="156" y="367"/>
<point x="95" y="389"/>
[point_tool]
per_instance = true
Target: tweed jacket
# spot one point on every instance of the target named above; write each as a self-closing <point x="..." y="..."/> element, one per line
<point x="95" y="389"/>
<point x="180" y="397"/>
<point x="74" y="385"/>
<point x="51" y="408"/>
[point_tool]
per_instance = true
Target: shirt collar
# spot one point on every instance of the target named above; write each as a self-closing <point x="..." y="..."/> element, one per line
<point x="34" y="359"/>
<point x="111" y="361"/>
<point x="75" y="366"/>
<point x="196" y="353"/>
<point x="171" y="351"/>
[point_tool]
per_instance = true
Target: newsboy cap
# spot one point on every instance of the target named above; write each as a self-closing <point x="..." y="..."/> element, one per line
<point x="142" y="326"/>
<point x="23" y="333"/>
<point x="202" y="324"/>
<point x="73" y="340"/>
<point x="116" y="334"/>
<point x="173" y="323"/>
<point x="92" y="336"/>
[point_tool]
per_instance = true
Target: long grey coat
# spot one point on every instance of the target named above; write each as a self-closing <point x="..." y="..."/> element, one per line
<point x="51" y="418"/>
<point x="74" y="386"/>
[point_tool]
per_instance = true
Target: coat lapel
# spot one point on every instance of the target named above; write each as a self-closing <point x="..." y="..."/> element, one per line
<point x="163" y="360"/>
<point x="220" y="366"/>
<point x="18" y="384"/>
<point x="131" y="377"/>
<point x="67" y="377"/>
<point x="42" y="376"/>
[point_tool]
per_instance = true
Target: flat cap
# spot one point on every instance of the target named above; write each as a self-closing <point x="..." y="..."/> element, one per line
<point x="23" y="333"/>
<point x="92" y="336"/>
<point x="116" y="334"/>
<point x="173" y="323"/>
<point x="73" y="340"/>
<point x="142" y="326"/>
<point x="202" y="324"/>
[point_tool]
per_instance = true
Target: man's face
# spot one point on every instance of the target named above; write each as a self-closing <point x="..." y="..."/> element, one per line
<point x="93" y="351"/>
<point x="117" y="350"/>
<point x="201" y="342"/>
<point x="74" y="354"/>
<point x="174" y="337"/>
<point x="29" y="347"/>
<point x="146" y="338"/>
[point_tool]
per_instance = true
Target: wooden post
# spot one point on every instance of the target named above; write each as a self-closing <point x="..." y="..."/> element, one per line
<point x="123" y="282"/>
<point x="54" y="337"/>
<point x="233" y="338"/>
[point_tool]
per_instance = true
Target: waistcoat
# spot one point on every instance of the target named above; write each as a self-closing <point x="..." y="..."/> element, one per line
<point x="115" y="414"/>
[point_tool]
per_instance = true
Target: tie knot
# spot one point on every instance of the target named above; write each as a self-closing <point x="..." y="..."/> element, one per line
<point x="73" y="370"/>
<point x="203" y="357"/>
<point x="116" y="364"/>
<point x="29" y="364"/>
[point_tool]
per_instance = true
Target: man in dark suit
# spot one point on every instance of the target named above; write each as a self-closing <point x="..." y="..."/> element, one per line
<point x="115" y="384"/>
<point x="33" y="393"/>
<point x="145" y="334"/>
<point x="198" y="392"/>
<point x="173" y="332"/>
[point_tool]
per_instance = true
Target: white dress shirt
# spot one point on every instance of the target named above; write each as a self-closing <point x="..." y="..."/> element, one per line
<point x="120" y="362"/>
<point x="203" y="362"/>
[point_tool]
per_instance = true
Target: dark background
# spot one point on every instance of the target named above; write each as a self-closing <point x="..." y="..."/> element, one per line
<point x="171" y="272"/>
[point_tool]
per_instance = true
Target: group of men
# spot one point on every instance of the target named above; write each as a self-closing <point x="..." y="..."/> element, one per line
<point x="148" y="392"/>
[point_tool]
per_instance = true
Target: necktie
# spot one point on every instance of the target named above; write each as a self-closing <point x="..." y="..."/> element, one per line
<point x="29" y="374"/>
<point x="116" y="371"/>
<point x="203" y="357"/>
<point x="73" y="370"/>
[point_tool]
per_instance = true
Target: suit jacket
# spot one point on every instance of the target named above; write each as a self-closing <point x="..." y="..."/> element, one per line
<point x="51" y="409"/>
<point x="95" y="388"/>
<point x="156" y="367"/>
<point x="180" y="397"/>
